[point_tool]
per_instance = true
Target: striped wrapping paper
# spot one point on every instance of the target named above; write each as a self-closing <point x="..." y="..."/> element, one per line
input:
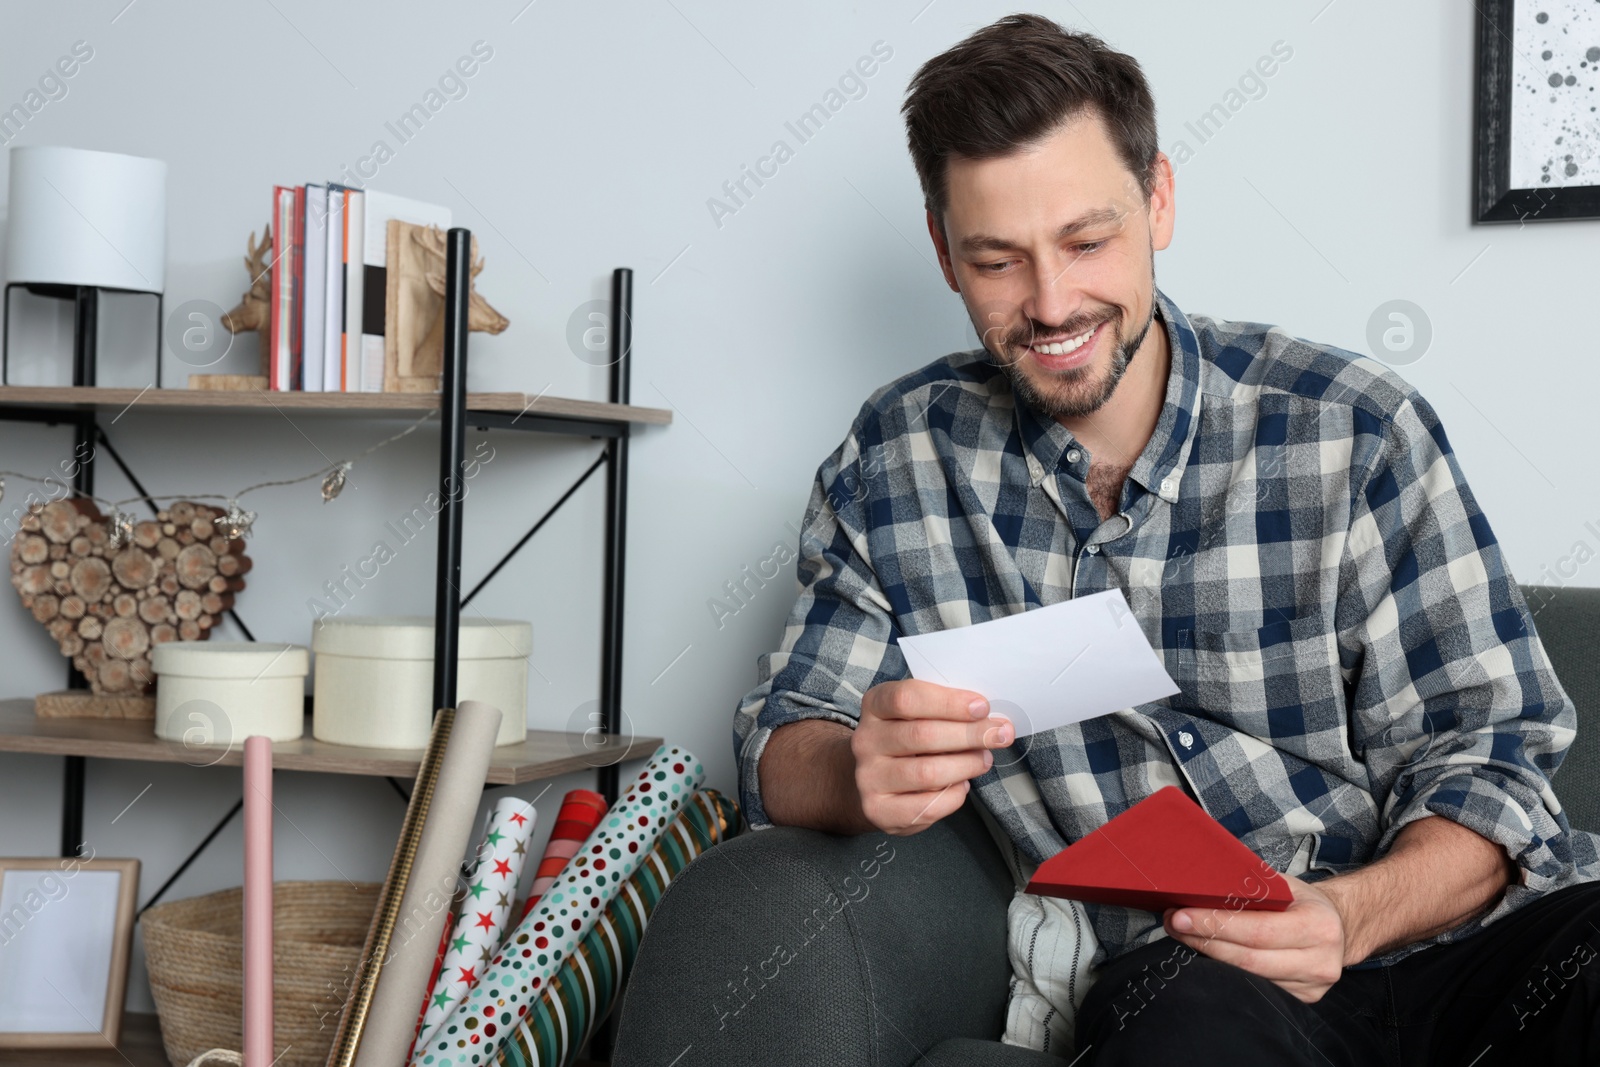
<point x="581" y="811"/>
<point x="543" y="941"/>
<point x="582" y="993"/>
<point x="486" y="912"/>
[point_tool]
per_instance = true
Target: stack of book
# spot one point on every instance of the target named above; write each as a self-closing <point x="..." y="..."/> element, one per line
<point x="328" y="281"/>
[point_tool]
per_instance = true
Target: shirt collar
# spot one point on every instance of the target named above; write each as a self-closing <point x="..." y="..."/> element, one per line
<point x="1160" y="465"/>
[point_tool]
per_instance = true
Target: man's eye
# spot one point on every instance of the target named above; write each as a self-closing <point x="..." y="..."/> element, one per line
<point x="1088" y="246"/>
<point x="994" y="268"/>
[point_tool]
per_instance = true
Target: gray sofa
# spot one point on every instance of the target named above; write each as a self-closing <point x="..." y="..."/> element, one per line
<point x="791" y="946"/>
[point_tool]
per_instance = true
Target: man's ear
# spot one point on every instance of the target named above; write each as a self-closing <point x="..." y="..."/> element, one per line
<point x="1163" y="206"/>
<point x="942" y="247"/>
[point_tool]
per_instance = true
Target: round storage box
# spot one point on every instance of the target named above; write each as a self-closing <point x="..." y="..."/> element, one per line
<point x="221" y="692"/>
<point x="373" y="685"/>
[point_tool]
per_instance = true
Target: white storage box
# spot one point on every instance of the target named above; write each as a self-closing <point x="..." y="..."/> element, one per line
<point x="373" y="685"/>
<point x="221" y="692"/>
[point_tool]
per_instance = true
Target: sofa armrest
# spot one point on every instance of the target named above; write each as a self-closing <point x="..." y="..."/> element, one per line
<point x="794" y="946"/>
<point x="1567" y="618"/>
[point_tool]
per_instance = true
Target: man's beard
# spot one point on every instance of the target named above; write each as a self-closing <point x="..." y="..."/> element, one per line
<point x="1070" y="393"/>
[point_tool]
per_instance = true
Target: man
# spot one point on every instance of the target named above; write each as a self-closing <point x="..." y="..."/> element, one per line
<point x="1364" y="701"/>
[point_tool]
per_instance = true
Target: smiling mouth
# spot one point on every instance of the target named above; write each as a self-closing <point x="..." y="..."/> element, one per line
<point x="1067" y="345"/>
<point x="1065" y="352"/>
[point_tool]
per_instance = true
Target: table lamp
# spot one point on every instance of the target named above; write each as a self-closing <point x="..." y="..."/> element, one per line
<point x="82" y="224"/>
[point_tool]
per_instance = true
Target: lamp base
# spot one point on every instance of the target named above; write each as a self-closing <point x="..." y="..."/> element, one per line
<point x="85" y="330"/>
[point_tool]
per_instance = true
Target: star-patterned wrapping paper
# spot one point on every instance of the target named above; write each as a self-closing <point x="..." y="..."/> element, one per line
<point x="490" y="895"/>
<point x="469" y="871"/>
<point x="536" y="949"/>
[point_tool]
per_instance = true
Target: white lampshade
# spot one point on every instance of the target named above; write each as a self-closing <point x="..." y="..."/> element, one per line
<point x="79" y="217"/>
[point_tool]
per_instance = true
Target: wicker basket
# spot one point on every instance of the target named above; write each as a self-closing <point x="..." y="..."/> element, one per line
<point x="194" y="951"/>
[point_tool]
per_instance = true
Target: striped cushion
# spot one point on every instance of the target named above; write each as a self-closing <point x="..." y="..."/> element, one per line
<point x="581" y="994"/>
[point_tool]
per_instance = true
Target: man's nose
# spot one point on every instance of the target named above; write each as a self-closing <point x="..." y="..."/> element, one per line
<point x="1056" y="296"/>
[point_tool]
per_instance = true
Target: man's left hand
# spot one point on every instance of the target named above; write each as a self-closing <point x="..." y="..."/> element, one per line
<point x="1301" y="948"/>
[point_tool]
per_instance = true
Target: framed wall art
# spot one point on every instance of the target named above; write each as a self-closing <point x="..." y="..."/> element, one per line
<point x="1538" y="111"/>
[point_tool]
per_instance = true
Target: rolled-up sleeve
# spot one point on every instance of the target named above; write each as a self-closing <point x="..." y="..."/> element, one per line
<point x="838" y="641"/>
<point x="1454" y="702"/>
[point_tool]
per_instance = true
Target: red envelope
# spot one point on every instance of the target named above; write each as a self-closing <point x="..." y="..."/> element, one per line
<point x="1164" y="852"/>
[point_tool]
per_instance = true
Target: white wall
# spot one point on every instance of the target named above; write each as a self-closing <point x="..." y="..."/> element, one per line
<point x="593" y="138"/>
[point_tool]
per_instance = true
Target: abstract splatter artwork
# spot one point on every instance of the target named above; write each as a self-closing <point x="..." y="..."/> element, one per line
<point x="1555" y="80"/>
<point x="1538" y="110"/>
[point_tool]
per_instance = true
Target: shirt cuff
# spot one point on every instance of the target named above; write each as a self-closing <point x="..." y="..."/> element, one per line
<point x="1481" y="803"/>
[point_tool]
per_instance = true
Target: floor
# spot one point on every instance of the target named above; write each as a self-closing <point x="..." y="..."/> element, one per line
<point x="141" y="1047"/>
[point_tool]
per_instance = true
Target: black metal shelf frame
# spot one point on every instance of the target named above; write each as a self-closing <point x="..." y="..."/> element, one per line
<point x="454" y="418"/>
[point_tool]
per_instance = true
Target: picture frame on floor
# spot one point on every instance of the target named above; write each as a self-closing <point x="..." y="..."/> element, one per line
<point x="66" y="933"/>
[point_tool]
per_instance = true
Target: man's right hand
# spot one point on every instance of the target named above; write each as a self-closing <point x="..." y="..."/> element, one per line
<point x="915" y="748"/>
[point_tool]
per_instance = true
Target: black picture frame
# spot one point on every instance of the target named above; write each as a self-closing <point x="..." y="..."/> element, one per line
<point x="1493" y="199"/>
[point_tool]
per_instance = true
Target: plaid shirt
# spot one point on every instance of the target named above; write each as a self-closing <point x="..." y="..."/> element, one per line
<point x="1299" y="545"/>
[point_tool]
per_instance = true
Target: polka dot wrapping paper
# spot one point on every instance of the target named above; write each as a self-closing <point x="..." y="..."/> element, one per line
<point x="491" y="893"/>
<point x="542" y="942"/>
<point x="583" y="992"/>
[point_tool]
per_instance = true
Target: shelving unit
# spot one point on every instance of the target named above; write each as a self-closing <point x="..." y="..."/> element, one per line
<point x="587" y="416"/>
<point x="545" y="754"/>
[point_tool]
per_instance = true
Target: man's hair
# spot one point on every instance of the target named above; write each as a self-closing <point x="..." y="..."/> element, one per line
<point x="1011" y="84"/>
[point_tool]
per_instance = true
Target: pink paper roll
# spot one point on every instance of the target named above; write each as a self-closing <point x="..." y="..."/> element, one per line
<point x="258" y="902"/>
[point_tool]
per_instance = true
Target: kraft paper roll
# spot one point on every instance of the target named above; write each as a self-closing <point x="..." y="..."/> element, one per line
<point x="353" y="1020"/>
<point x="425" y="905"/>
<point x="542" y="942"/>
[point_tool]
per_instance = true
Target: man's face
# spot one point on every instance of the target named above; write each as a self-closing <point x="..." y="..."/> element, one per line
<point x="1053" y="251"/>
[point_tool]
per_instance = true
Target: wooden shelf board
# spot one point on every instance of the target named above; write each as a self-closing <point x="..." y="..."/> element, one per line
<point x="67" y="397"/>
<point x="545" y="753"/>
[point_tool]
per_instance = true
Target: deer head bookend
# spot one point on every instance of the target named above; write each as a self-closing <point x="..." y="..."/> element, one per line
<point x="480" y="316"/>
<point x="255" y="305"/>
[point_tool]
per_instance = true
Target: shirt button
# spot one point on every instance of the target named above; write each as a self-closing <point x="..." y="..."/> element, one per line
<point x="1166" y="487"/>
<point x="1073" y="455"/>
<point x="1185" y="738"/>
<point x="1093" y="550"/>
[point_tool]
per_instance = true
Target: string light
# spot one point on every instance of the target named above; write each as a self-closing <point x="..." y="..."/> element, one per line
<point x="237" y="520"/>
<point x="333" y="484"/>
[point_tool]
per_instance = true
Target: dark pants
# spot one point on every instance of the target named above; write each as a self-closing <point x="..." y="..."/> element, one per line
<point x="1523" y="990"/>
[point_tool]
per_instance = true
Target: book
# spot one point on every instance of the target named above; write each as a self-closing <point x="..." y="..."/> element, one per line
<point x="280" y="288"/>
<point x="333" y="311"/>
<point x="313" y="319"/>
<point x="350" y="351"/>
<point x="297" y="288"/>
<point x="380" y="209"/>
<point x="1164" y="852"/>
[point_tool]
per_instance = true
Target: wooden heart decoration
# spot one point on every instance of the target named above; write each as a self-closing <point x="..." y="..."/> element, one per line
<point x="107" y="605"/>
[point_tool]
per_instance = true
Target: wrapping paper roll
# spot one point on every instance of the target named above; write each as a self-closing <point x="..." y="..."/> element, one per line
<point x="376" y="1027"/>
<point x="541" y="943"/>
<point x="582" y="993"/>
<point x="258" y="901"/>
<point x="353" y="1020"/>
<point x="469" y="871"/>
<point x="581" y="811"/>
<point x="491" y="893"/>
<point x="403" y="981"/>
